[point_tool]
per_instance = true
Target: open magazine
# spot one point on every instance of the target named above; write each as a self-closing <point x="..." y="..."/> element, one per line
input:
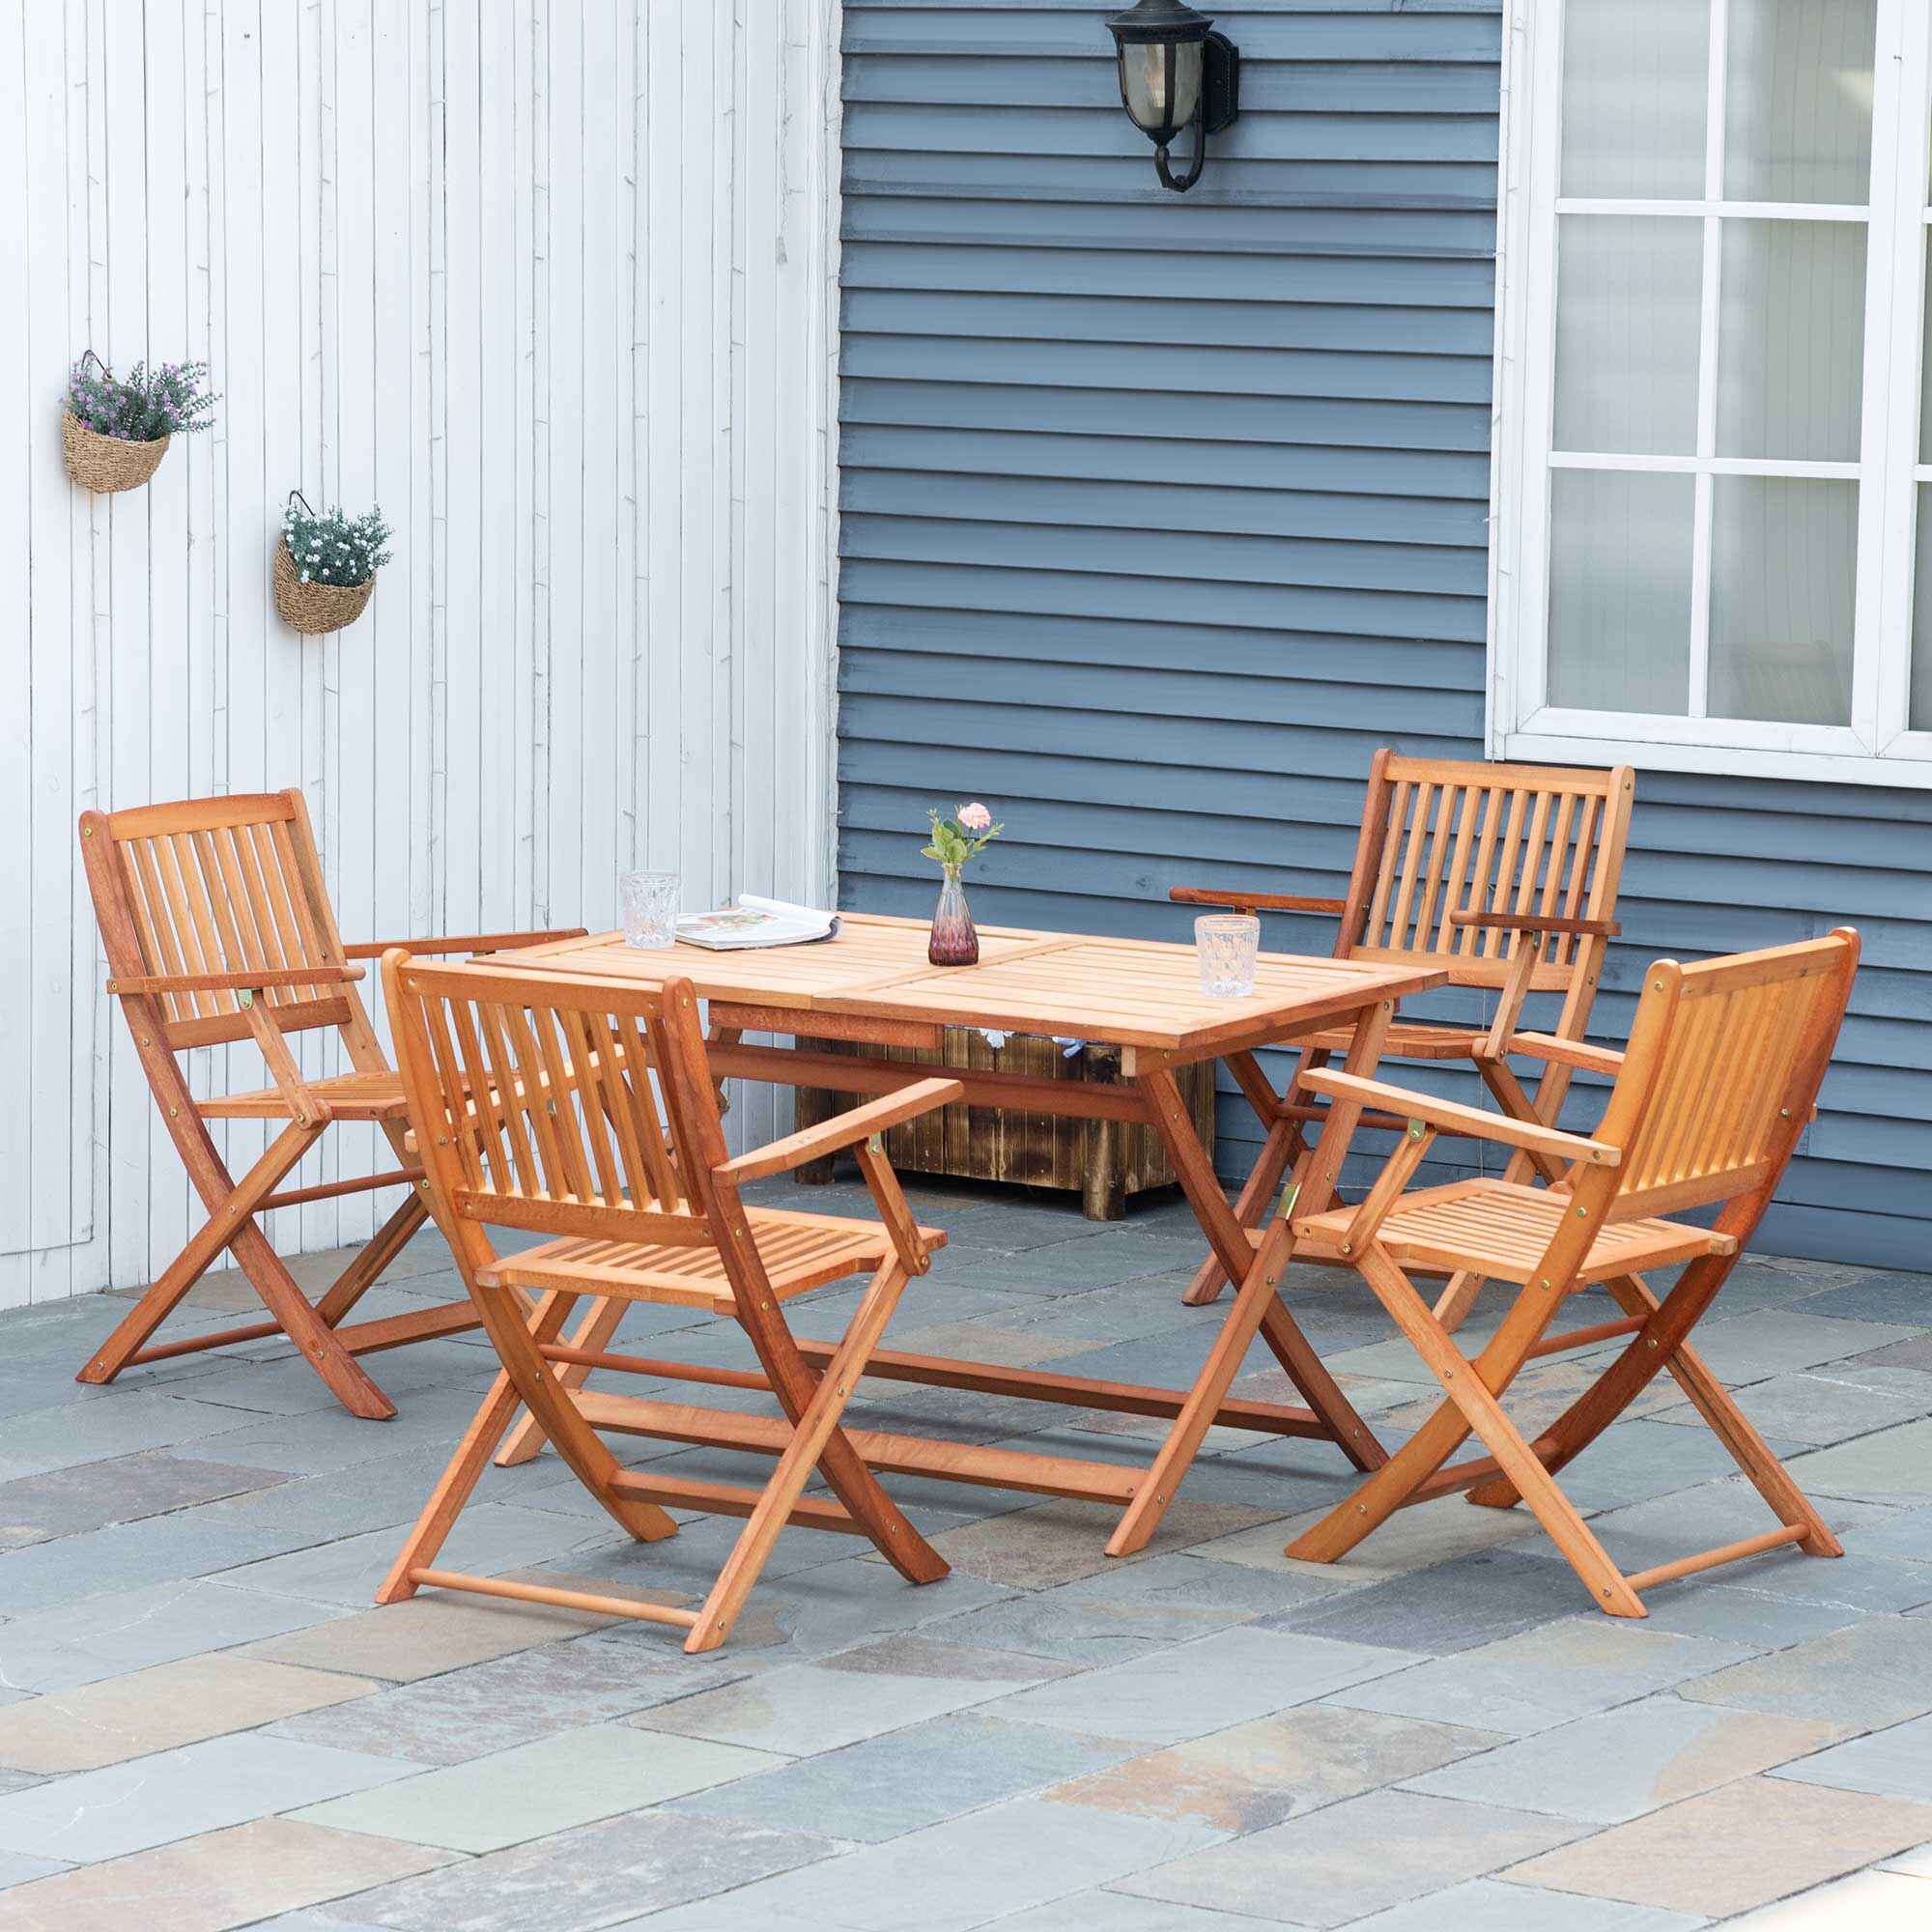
<point x="756" y="922"/>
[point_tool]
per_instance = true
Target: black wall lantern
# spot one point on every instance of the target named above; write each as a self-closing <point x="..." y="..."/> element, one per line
<point x="1176" y="69"/>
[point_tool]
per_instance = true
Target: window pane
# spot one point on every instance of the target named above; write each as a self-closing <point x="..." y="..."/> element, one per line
<point x="1635" y="86"/>
<point x="1925" y="375"/>
<point x="1798" y="110"/>
<point x="1791" y="331"/>
<point x="1784" y="571"/>
<point x="1919" y="707"/>
<point x="1620" y="590"/>
<point x="1627" y="302"/>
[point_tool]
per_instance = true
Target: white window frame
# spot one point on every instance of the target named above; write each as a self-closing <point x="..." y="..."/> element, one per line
<point x="1876" y="747"/>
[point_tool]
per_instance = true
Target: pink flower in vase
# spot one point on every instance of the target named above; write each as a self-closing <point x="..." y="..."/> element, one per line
<point x="955" y="842"/>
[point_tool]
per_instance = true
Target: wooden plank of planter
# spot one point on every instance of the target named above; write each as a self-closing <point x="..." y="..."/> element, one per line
<point x="1104" y="1161"/>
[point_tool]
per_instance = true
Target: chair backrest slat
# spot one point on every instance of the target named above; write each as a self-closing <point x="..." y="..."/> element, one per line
<point x="568" y="1106"/>
<point x="1465" y="837"/>
<point x="220" y="885"/>
<point x="1724" y="1064"/>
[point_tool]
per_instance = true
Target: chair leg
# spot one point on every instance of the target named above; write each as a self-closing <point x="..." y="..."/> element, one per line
<point x="1660" y="1347"/>
<point x="371" y="1259"/>
<point x="1473" y="1390"/>
<point x="593" y="1335"/>
<point x="813" y="1431"/>
<point x="458" y="1481"/>
<point x="224" y="1222"/>
<point x="513" y="1328"/>
<point x="1454" y="1303"/>
<point x="846" y="1471"/>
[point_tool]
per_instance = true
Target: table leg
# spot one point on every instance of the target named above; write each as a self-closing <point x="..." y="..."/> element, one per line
<point x="1283" y="1145"/>
<point x="1256" y="1269"/>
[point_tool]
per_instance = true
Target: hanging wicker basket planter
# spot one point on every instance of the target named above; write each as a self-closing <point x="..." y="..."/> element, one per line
<point x="115" y="431"/>
<point x="312" y="608"/>
<point x="106" y="464"/>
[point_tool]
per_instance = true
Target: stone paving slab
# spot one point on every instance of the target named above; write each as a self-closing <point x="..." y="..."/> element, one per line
<point x="425" y="1636"/>
<point x="1894" y="1466"/>
<point x="1620" y="1764"/>
<point x="1205" y="1685"/>
<point x="791" y="1619"/>
<point x="1270" y="1769"/>
<point x="220" y="1880"/>
<point x="490" y="1538"/>
<point x="1348" y="1860"/>
<point x="1891" y="1296"/>
<point x="1060" y="1540"/>
<point x="1727" y="1850"/>
<point x="128" y="1630"/>
<point x="1128" y="1610"/>
<point x="598" y="1875"/>
<point x="1487" y="1905"/>
<point x="1542" y="1677"/>
<point x="486" y="1707"/>
<point x="1116" y="1912"/>
<point x="16" y="1869"/>
<point x="1828" y="1405"/>
<point x="181" y="1794"/>
<point x="537" y="1790"/>
<point x="962" y="1874"/>
<point x="904" y="1780"/>
<point x="160" y="1709"/>
<point x="1867" y="1675"/>
<point x="1894" y="1763"/>
<point x="1740" y="1349"/>
<point x="804" y="1708"/>
<point x="1455" y="1605"/>
<point x="1412" y="1539"/>
<point x="45" y="1440"/>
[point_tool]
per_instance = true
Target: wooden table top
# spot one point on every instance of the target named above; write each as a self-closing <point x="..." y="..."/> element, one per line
<point x="1127" y="992"/>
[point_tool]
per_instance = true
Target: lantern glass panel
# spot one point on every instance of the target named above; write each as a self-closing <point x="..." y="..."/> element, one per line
<point x="1145" y="74"/>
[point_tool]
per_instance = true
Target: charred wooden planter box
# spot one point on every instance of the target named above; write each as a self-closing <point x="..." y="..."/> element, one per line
<point x="1104" y="1161"/>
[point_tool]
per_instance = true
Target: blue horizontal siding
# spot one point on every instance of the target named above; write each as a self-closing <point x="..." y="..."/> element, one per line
<point x="1159" y="515"/>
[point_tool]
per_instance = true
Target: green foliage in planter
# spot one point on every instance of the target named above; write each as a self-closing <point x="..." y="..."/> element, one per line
<point x="333" y="547"/>
<point x="144" y="405"/>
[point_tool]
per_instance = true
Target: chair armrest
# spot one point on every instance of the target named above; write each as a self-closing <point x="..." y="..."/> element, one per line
<point x="467" y="942"/>
<point x="1460" y="1120"/>
<point x="1533" y="921"/>
<point x="1246" y="902"/>
<point x="1568" y="1052"/>
<point x="246" y="982"/>
<point x="842" y="1129"/>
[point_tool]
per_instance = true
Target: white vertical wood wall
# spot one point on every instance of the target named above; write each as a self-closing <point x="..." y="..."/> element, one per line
<point x="548" y="280"/>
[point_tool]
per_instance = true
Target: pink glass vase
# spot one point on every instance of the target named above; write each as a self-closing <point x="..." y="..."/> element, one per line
<point x="954" y="941"/>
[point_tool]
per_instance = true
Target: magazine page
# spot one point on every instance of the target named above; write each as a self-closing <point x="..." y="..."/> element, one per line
<point x="756" y="922"/>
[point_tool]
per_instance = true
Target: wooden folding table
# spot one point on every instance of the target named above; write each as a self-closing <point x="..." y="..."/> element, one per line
<point x="872" y="985"/>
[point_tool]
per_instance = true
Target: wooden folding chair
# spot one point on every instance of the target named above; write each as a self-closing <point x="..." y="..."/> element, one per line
<point x="625" y="1168"/>
<point x="1720" y="1077"/>
<point x="1506" y="875"/>
<point x="217" y="928"/>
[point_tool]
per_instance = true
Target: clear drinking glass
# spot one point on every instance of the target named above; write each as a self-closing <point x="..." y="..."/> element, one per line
<point x="1225" y="944"/>
<point x="651" y="907"/>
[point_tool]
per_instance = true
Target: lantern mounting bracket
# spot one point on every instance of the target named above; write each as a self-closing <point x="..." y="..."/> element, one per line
<point x="1220" y="105"/>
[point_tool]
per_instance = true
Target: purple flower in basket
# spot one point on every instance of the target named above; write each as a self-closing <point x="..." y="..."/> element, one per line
<point x="144" y="405"/>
